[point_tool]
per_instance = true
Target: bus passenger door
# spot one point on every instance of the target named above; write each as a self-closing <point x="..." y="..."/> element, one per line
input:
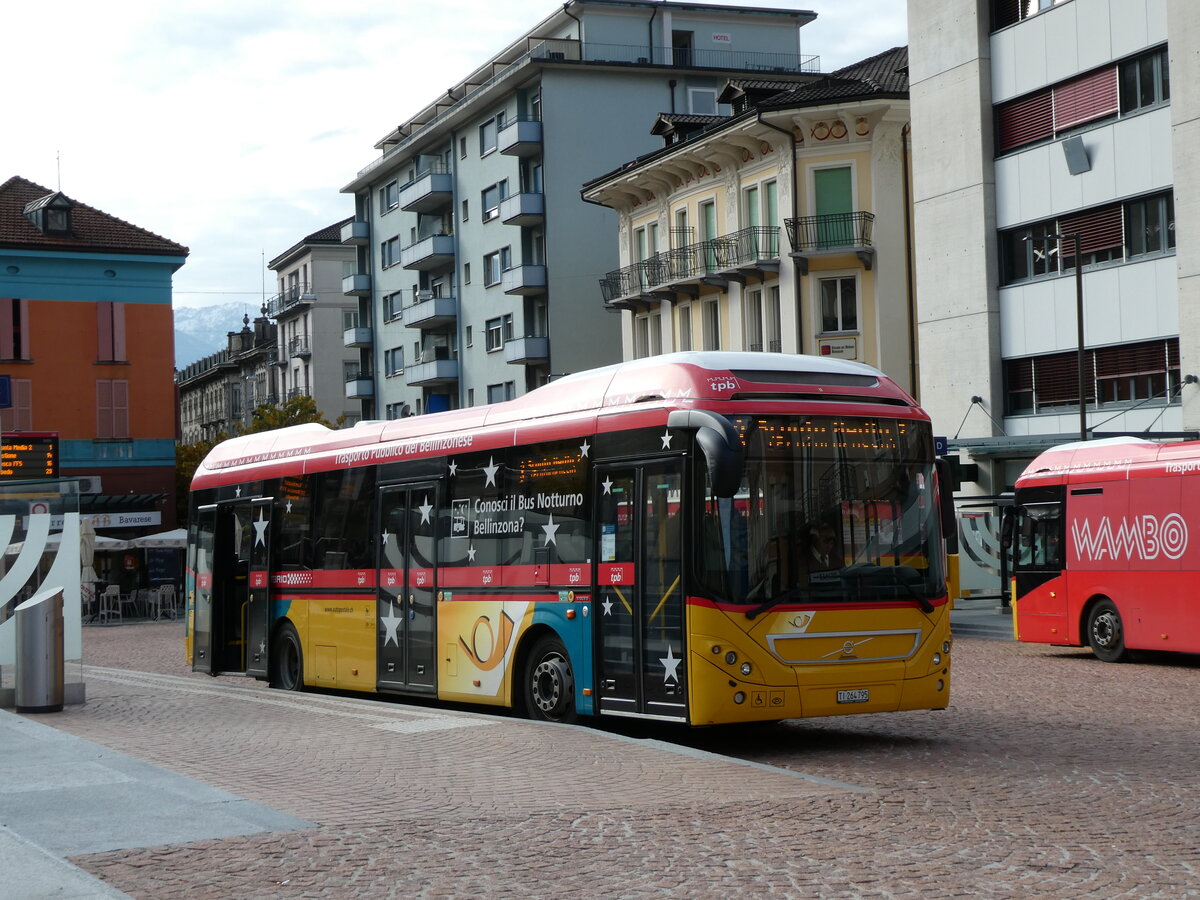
<point x="405" y="617"/>
<point x="258" y="606"/>
<point x="641" y="654"/>
<point x="200" y="583"/>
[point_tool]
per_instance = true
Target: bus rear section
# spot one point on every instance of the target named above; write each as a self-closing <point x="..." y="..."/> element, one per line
<point x="1100" y="550"/>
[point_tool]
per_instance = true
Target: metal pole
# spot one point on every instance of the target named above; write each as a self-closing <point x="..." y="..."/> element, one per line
<point x="1083" y="431"/>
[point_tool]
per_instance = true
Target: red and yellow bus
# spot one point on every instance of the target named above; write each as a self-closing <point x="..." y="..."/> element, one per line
<point x="700" y="538"/>
<point x="1100" y="549"/>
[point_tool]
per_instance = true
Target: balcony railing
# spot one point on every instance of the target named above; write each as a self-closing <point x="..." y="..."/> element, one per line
<point x="430" y="312"/>
<point x="356" y="232"/>
<point x="527" y="350"/>
<point x="357" y="285"/>
<point x="521" y="136"/>
<point x="360" y="386"/>
<point x="831" y="234"/>
<point x="295" y="295"/>
<point x="298" y="347"/>
<point x="432" y="189"/>
<point x="432" y="252"/>
<point x="751" y="251"/>
<point x="357" y="337"/>
<point x="524" y="279"/>
<point x="523" y="209"/>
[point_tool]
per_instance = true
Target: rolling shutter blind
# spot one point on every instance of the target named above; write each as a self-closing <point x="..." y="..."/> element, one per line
<point x="1025" y="121"/>
<point x="1098" y="229"/>
<point x="1086" y="98"/>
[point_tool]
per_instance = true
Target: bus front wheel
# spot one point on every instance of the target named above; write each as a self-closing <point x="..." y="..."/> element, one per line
<point x="549" y="691"/>
<point x="287" y="660"/>
<point x="1106" y="633"/>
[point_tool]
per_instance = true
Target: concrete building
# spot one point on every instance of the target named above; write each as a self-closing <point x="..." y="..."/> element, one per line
<point x="781" y="227"/>
<point x="477" y="258"/>
<point x="87" y="342"/>
<point x="218" y="394"/>
<point x="319" y="333"/>
<point x="1036" y="124"/>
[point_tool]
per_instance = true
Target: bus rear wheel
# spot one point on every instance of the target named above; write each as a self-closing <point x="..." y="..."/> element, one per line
<point x="549" y="685"/>
<point x="287" y="660"/>
<point x="1106" y="633"/>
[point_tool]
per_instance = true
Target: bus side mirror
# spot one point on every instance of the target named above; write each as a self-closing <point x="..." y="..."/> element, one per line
<point x="946" y="482"/>
<point x="720" y="444"/>
<point x="1006" y="529"/>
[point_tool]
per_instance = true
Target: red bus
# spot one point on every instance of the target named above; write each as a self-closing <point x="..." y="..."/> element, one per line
<point x="698" y="538"/>
<point x="1100" y="548"/>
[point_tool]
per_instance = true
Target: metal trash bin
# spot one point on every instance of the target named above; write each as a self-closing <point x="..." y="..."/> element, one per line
<point x="39" y="670"/>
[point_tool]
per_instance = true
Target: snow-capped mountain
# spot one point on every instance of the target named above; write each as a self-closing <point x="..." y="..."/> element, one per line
<point x="203" y="330"/>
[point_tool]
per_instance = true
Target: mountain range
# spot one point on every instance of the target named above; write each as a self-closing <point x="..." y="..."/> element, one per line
<point x="203" y="330"/>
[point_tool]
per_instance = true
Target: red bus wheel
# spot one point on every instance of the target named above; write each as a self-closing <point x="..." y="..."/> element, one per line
<point x="549" y="682"/>
<point x="1106" y="633"/>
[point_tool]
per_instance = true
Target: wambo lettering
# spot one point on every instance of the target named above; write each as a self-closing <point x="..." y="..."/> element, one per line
<point x="1140" y="537"/>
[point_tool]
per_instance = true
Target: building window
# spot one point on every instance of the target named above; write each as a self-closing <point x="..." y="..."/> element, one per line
<point x="685" y="328"/>
<point x="495" y="264"/>
<point x="1009" y="12"/>
<point x="462" y="148"/>
<point x="702" y="101"/>
<point x="711" y="324"/>
<point x="18" y="417"/>
<point x="1150" y="225"/>
<point x="466" y="273"/>
<point x="498" y="392"/>
<point x="1113" y="376"/>
<point x="466" y="211"/>
<point x="492" y="197"/>
<point x="393" y="306"/>
<point x="110" y="328"/>
<point x="839" y="304"/>
<point x="752" y="320"/>
<point x="393" y="361"/>
<point x="389" y="252"/>
<point x="1145" y="81"/>
<point x="774" y="322"/>
<point x="499" y="330"/>
<point x="389" y="196"/>
<point x="112" y="409"/>
<point x="470" y="336"/>
<point x="14" y="329"/>
<point x="487" y="133"/>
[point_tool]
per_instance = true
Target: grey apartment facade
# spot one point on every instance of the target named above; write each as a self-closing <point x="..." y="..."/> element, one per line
<point x="1036" y="124"/>
<point x="477" y="259"/>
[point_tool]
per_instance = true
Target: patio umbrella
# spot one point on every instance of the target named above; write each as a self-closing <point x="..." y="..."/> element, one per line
<point x="175" y="539"/>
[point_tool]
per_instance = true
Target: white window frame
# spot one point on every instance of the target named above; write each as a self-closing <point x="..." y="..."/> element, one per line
<point x="819" y="306"/>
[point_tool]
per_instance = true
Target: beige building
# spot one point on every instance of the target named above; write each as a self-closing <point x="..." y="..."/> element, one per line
<point x="782" y="227"/>
<point x="218" y="394"/>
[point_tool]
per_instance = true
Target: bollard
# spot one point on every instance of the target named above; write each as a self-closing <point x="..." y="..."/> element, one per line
<point x="39" y="670"/>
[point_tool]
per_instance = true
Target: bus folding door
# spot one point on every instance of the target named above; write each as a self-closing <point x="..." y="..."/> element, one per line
<point x="642" y="645"/>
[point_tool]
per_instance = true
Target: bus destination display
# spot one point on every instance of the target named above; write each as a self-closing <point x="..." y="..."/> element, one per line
<point x="29" y="455"/>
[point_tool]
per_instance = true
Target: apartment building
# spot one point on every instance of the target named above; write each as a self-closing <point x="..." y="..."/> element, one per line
<point x="87" y="343"/>
<point x="1054" y="163"/>
<point x="319" y="333"/>
<point x="780" y="227"/>
<point x="477" y="258"/>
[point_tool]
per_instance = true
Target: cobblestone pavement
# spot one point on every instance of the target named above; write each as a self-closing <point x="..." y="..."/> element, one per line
<point x="1051" y="775"/>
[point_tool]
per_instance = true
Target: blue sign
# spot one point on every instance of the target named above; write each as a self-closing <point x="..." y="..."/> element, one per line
<point x="5" y="391"/>
<point x="941" y="445"/>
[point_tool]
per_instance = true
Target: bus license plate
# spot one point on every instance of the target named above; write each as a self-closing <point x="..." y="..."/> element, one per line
<point x="862" y="695"/>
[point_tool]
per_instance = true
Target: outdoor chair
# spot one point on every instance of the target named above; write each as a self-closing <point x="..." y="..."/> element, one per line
<point x="110" y="604"/>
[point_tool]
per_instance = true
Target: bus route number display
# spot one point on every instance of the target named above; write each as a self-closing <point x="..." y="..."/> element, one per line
<point x="29" y="455"/>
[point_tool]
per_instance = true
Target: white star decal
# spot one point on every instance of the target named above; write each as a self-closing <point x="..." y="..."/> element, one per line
<point x="262" y="648"/>
<point x="425" y="510"/>
<point x="550" y="528"/>
<point x="260" y="529"/>
<point x="670" y="664"/>
<point x="666" y="439"/>
<point x="238" y="492"/>
<point x="608" y="605"/>
<point x="289" y="506"/>
<point x="584" y="448"/>
<point x="453" y="468"/>
<point x="490" y="471"/>
<point x="470" y="554"/>
<point x="385" y="538"/>
<point x="608" y="483"/>
<point x="391" y="622"/>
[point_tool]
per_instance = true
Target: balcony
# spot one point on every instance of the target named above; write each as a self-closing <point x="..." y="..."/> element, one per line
<point x="296" y="392"/>
<point x="523" y="209"/>
<point x="357" y="285"/>
<point x="357" y="337"/>
<point x="433" y="252"/>
<point x="432" y="190"/>
<point x="525" y="280"/>
<point x="361" y="386"/>
<point x="356" y="233"/>
<point x="298" y="348"/>
<point x="834" y="234"/>
<point x="520" y="137"/>
<point x="527" y="351"/>
<point x="430" y="312"/>
<point x="435" y="365"/>
<point x="295" y="296"/>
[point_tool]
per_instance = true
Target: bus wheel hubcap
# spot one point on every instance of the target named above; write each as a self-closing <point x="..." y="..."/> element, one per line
<point x="1106" y="630"/>
<point x="550" y="681"/>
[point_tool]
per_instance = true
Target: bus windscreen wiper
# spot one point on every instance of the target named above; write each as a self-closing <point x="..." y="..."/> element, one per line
<point x="778" y="599"/>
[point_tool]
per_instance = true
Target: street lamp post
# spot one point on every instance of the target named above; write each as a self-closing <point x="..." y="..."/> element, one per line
<point x="1083" y="430"/>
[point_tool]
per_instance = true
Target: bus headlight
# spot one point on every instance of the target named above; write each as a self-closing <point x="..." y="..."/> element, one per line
<point x="745" y="668"/>
<point x="731" y="657"/>
<point x="945" y="646"/>
<point x="739" y="698"/>
<point x="937" y="659"/>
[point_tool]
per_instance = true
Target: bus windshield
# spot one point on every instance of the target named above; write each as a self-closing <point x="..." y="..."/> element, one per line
<point x="830" y="509"/>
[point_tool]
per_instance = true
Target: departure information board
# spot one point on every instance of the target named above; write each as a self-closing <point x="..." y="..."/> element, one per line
<point x="28" y="455"/>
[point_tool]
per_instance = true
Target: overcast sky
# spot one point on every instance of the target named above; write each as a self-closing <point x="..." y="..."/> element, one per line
<point x="231" y="126"/>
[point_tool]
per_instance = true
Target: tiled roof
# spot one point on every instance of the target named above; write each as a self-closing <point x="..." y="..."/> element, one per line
<point x="883" y="74"/>
<point x="330" y="234"/>
<point x="91" y="230"/>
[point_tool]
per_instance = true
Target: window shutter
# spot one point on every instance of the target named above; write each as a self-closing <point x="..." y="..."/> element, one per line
<point x="22" y="399"/>
<point x="8" y="313"/>
<point x="104" y="331"/>
<point x="1056" y="378"/>
<point x="1099" y="229"/>
<point x="118" y="332"/>
<point x="1025" y="121"/>
<point x="120" y="401"/>
<point x="1086" y="98"/>
<point x="104" y="409"/>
